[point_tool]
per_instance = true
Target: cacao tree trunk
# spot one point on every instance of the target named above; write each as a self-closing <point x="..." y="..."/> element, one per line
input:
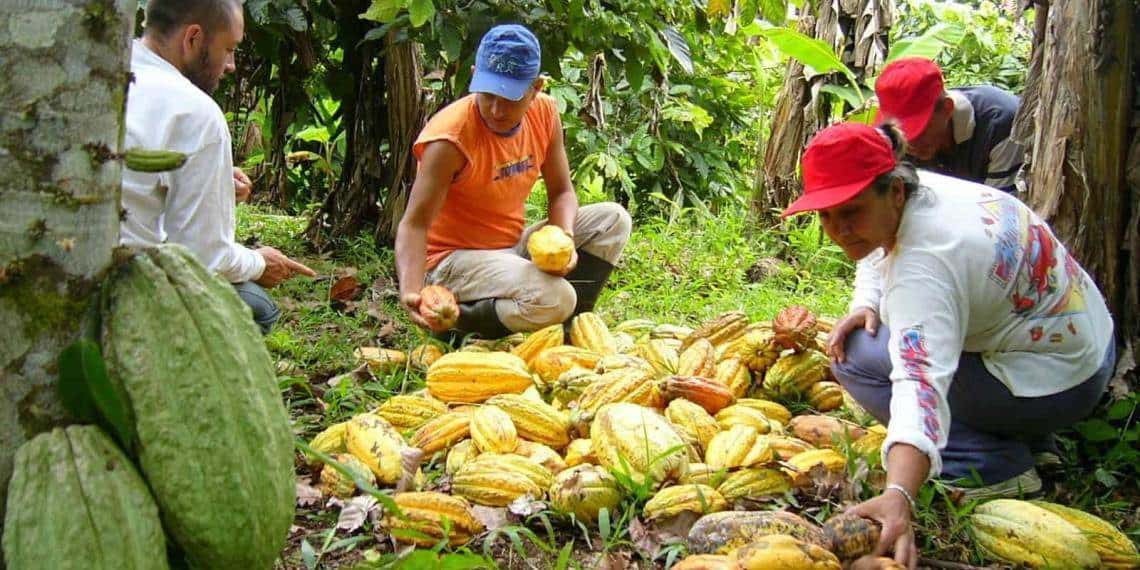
<point x="407" y="111"/>
<point x="65" y="66"/>
<point x="1077" y="114"/>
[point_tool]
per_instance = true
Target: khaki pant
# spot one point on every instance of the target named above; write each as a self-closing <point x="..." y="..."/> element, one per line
<point x="529" y="299"/>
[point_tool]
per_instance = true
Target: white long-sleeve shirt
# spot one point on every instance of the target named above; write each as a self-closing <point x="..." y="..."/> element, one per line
<point x="194" y="205"/>
<point x="975" y="270"/>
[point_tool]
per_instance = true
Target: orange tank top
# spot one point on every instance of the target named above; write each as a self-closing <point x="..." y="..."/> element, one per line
<point x="485" y="204"/>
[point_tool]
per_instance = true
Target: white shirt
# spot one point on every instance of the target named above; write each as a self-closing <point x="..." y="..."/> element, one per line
<point x="975" y="270"/>
<point x="194" y="205"/>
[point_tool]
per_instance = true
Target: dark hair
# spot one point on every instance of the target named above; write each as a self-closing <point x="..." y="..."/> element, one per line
<point x="165" y="16"/>
<point x="903" y="171"/>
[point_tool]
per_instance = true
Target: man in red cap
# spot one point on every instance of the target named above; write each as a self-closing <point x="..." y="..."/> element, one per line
<point x="962" y="132"/>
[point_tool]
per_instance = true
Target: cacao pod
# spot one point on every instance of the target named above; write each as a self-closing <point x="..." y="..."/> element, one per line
<point x="825" y="396"/>
<point x="720" y="330"/>
<point x="539" y="341"/>
<point x="635" y="327"/>
<point x="406" y="412"/>
<point x="708" y="394"/>
<point x="472" y="377"/>
<point x="512" y="463"/>
<point x="535" y="420"/>
<point x="584" y="490"/>
<point x="706" y="562"/>
<point x="381" y="360"/>
<point x="787" y="447"/>
<point x="1022" y="533"/>
<point x="330" y="440"/>
<point x="438" y="307"/>
<point x="337" y="484"/>
<point x="618" y="361"/>
<point x="800" y="464"/>
<point x="784" y="552"/>
<point x="588" y="331"/>
<point x="734" y="375"/>
<point x="230" y="509"/>
<point x="376" y="443"/>
<point x="492" y="430"/>
<point x="571" y="383"/>
<point x="754" y="482"/>
<point x="694" y="498"/>
<point x="580" y="451"/>
<point x="793" y="375"/>
<point x="633" y="385"/>
<point x="702" y="474"/>
<point x="492" y="487"/>
<point x="772" y="410"/>
<point x="553" y="362"/>
<point x="851" y="536"/>
<point x="427" y="514"/>
<point x="636" y="439"/>
<point x="794" y="328"/>
<point x="1115" y="549"/>
<point x="721" y="533"/>
<point x="75" y="501"/>
<point x="551" y="249"/>
<point x="740" y="446"/>
<point x="671" y="332"/>
<point x="542" y="455"/>
<point x="660" y="356"/>
<point x="870" y="446"/>
<point x="424" y="355"/>
<point x="739" y="415"/>
<point x="693" y="420"/>
<point x="825" y="431"/>
<point x="624" y="342"/>
<point x="443" y="431"/>
<point x="755" y="349"/>
<point x="699" y="359"/>
<point x="459" y="455"/>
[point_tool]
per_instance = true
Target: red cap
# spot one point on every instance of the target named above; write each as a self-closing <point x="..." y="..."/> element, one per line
<point x="908" y="89"/>
<point x="841" y="161"/>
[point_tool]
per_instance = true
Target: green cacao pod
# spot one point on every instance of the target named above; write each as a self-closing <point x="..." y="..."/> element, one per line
<point x="792" y="376"/>
<point x="213" y="437"/>
<point x="76" y="501"/>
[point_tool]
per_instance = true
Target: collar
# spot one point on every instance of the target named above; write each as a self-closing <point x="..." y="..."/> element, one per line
<point x="962" y="120"/>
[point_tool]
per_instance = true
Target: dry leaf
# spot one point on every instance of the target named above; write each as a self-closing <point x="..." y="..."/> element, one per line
<point x="355" y="511"/>
<point x="410" y="460"/>
<point x="526" y="506"/>
<point x="307" y="494"/>
<point x="650" y="538"/>
<point x="491" y="517"/>
<point x="358" y="374"/>
<point x="1118" y="387"/>
<point x="346" y="289"/>
<point x="384" y="287"/>
<point x="614" y="561"/>
<point x="387" y="331"/>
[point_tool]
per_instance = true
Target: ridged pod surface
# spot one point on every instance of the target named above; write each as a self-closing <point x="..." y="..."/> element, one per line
<point x="588" y="331"/>
<point x="668" y="331"/>
<point x="492" y="489"/>
<point x="535" y="420"/>
<point x="424" y="355"/>
<point x="793" y="375"/>
<point x="825" y="431"/>
<point x="376" y="443"/>
<point x="1022" y="533"/>
<point x="553" y="362"/>
<point x="618" y="361"/>
<point x="754" y="482"/>
<point x="735" y="375"/>
<point x="337" y="484"/>
<point x="628" y="436"/>
<point x="870" y="446"/>
<point x="513" y="463"/>
<point x="580" y="451"/>
<point x="75" y="502"/>
<point x="424" y="513"/>
<point x="702" y="474"/>
<point x="773" y="410"/>
<point x="755" y="349"/>
<point x="721" y="533"/>
<point x="787" y="447"/>
<point x="539" y="341"/>
<point x="784" y="552"/>
<point x="851" y="536"/>
<point x="706" y="562"/>
<point x="635" y="327"/>
<point x="698" y="359"/>
<point x="570" y="384"/>
<point x="825" y="396"/>
<point x="738" y="415"/>
<point x="1115" y="549"/>
<point x="443" y="431"/>
<point x="630" y="385"/>
<point x="740" y="446"/>
<point x="585" y="490"/>
<point x="542" y="455"/>
<point x="406" y="412"/>
<point x="800" y="464"/>
<point x="720" y="330"/>
<point x="459" y="455"/>
<point x="795" y="328"/>
<point x="230" y="509"/>
<point x="330" y="440"/>
<point x="493" y="431"/>
<point x="706" y="393"/>
<point x="693" y="420"/>
<point x="677" y="499"/>
<point x="381" y="360"/>
<point x="472" y="377"/>
<point x="660" y="356"/>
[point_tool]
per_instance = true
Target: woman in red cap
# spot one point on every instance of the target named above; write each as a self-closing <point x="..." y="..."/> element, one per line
<point x="993" y="336"/>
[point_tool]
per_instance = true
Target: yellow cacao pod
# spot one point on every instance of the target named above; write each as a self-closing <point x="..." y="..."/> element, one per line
<point x="740" y="446"/>
<point x="720" y="330"/>
<point x="698" y="359"/>
<point x="754" y="482"/>
<point x="588" y="331"/>
<point x="513" y="463"/>
<point x="694" y="498"/>
<point x="1113" y="547"/>
<point x="1025" y="534"/>
<point x="472" y="377"/>
<point x="624" y="342"/>
<point x="618" y="361"/>
<point x="550" y="248"/>
<point x="635" y="327"/>
<point x="337" y="484"/>
<point x="585" y="490"/>
<point x="793" y="375"/>
<point x="755" y="349"/>
<point x="787" y="447"/>
<point x="724" y="532"/>
<point x="571" y="383"/>
<point x="851" y="536"/>
<point x="825" y="396"/>
<point x="376" y="443"/>
<point x="381" y="360"/>
<point x="784" y="552"/>
<point x="633" y="385"/>
<point x="534" y="420"/>
<point x="702" y="474"/>
<point x="443" y="431"/>
<point x="671" y="332"/>
<point x="870" y="446"/>
<point x="706" y="562"/>
<point x="492" y="430"/>
<point x="459" y="455"/>
<point x="773" y="410"/>
<point x="424" y="355"/>
<point x="800" y="464"/>
<point x="485" y="484"/>
<point x="638" y="440"/>
<point x="660" y="356"/>
<point x="825" y="431"/>
<point x="539" y="341"/>
<point x="580" y="451"/>
<point x="738" y="415"/>
<point x="410" y="412"/>
<point x="330" y="441"/>
<point x="693" y="420"/>
<point x="542" y="455"/>
<point x="553" y="362"/>
<point x="427" y="515"/>
<point x="735" y="375"/>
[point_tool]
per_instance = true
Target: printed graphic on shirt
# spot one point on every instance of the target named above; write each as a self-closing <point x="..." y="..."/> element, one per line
<point x="513" y="168"/>
<point x="916" y="363"/>
<point x="1025" y="255"/>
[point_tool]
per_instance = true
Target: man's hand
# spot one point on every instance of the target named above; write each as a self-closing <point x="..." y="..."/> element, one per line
<point x="278" y="267"/>
<point x="892" y="511"/>
<point x="865" y="317"/>
<point x="411" y="304"/>
<point x="243" y="186"/>
<point x="569" y="266"/>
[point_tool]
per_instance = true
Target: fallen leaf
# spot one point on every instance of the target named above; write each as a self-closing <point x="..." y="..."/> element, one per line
<point x="375" y="309"/>
<point x="384" y="287"/>
<point x="387" y="331"/>
<point x="1118" y="387"/>
<point x="491" y="517"/>
<point x="526" y="506"/>
<point x="614" y="561"/>
<point x="410" y="460"/>
<point x="307" y="494"/>
<point x="358" y="374"/>
<point x="650" y="537"/>
<point x="346" y="289"/>
<point x="355" y="511"/>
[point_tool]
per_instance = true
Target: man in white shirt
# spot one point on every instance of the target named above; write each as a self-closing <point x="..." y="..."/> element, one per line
<point x="186" y="48"/>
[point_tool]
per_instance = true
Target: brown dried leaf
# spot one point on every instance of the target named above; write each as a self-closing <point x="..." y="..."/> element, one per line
<point x="526" y="506"/>
<point x="410" y="460"/>
<point x="618" y="560"/>
<point x="492" y="517"/>
<point x="355" y="511"/>
<point x="345" y="289"/>
<point x="650" y="538"/>
<point x="307" y="495"/>
<point x="1118" y="387"/>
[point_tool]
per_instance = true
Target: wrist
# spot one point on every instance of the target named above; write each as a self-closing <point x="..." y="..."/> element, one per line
<point x="899" y="490"/>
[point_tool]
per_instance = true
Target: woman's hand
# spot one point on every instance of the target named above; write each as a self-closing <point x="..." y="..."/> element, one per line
<point x="892" y="511"/>
<point x="865" y="317"/>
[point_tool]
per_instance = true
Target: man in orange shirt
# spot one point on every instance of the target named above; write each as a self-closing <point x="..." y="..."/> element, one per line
<point x="479" y="159"/>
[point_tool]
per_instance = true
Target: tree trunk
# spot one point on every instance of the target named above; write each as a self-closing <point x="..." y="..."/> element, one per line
<point x="1079" y="106"/>
<point x="65" y="64"/>
<point x="407" y="111"/>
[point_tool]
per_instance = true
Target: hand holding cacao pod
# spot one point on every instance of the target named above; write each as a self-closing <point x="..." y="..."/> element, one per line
<point x="552" y="250"/>
<point x="438" y="307"/>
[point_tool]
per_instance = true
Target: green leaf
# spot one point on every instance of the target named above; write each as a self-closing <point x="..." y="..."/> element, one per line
<point x="811" y="52"/>
<point x="718" y="8"/>
<point x="421" y="11"/>
<point x="1121" y="409"/>
<point x="1106" y="478"/>
<point x="845" y="92"/>
<point x="86" y="390"/>
<point x="295" y="18"/>
<point x="464" y="561"/>
<point x="383" y="10"/>
<point x="679" y="48"/>
<point x="314" y="134"/>
<point x="563" y="562"/>
<point x="774" y="11"/>
<point x="1096" y="430"/>
<point x="929" y="44"/>
<point x="308" y="555"/>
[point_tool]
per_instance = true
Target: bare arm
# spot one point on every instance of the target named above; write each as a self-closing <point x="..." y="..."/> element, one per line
<point x="440" y="163"/>
<point x="907" y="467"/>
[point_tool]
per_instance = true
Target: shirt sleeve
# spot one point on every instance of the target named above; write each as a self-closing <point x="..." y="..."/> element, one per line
<point x="925" y="311"/>
<point x="1005" y="161"/>
<point x="868" y="282"/>
<point x="199" y="214"/>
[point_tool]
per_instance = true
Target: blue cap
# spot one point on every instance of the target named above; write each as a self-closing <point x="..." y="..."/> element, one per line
<point x="507" y="62"/>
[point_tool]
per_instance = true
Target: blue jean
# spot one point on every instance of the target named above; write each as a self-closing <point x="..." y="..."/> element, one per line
<point x="265" y="311"/>
<point x="992" y="432"/>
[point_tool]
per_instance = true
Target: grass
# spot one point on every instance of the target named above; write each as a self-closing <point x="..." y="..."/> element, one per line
<point x="681" y="273"/>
